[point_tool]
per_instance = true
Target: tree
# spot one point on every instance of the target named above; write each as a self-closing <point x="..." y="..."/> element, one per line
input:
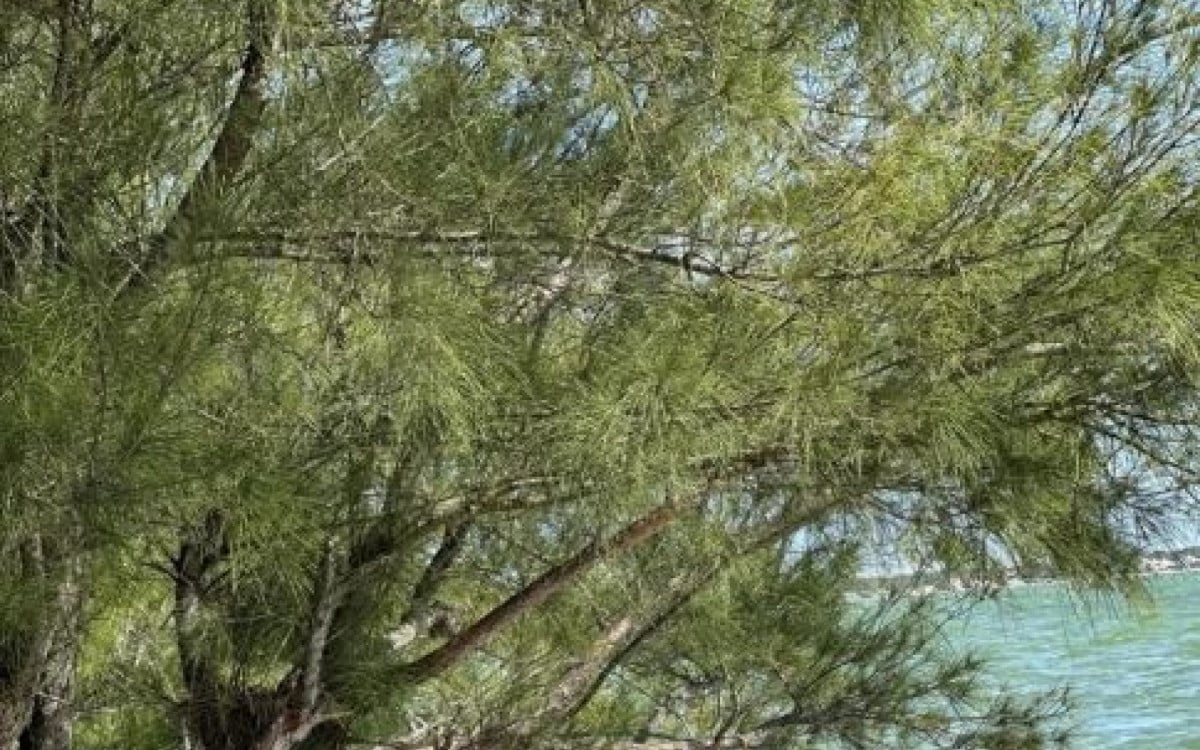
<point x="529" y="374"/>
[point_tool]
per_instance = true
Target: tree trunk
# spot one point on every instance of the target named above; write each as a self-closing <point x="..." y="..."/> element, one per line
<point x="51" y="720"/>
<point x="219" y="715"/>
<point x="37" y="685"/>
<point x="15" y="710"/>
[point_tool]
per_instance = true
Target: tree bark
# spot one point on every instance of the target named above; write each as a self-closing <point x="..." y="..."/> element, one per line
<point x="230" y="151"/>
<point x="545" y="586"/>
<point x="219" y="715"/>
<point x="51" y="723"/>
<point x="37" y="683"/>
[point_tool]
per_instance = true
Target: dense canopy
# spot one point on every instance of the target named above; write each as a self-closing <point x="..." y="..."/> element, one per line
<point x="438" y="375"/>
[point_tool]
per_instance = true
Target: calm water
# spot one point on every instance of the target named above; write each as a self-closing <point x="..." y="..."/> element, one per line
<point x="1135" y="675"/>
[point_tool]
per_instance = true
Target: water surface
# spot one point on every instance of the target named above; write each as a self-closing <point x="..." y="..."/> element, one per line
<point x="1135" y="675"/>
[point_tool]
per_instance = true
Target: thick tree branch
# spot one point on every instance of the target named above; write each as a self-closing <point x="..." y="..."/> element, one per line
<point x="427" y="586"/>
<point x="346" y="246"/>
<point x="43" y="653"/>
<point x="743" y="741"/>
<point x="545" y="586"/>
<point x="51" y="726"/>
<point x="230" y="150"/>
<point x="220" y="714"/>
<point x="36" y="232"/>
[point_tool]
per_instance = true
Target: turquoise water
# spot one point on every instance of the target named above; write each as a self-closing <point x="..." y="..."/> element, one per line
<point x="1135" y="675"/>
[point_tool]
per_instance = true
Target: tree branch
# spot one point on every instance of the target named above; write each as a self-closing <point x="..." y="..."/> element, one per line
<point x="194" y="570"/>
<point x="421" y="617"/>
<point x="545" y="586"/>
<point x="744" y="741"/>
<point x="382" y="542"/>
<point x="325" y="604"/>
<point x="283" y="245"/>
<point x="36" y="231"/>
<point x="51" y="725"/>
<point x="43" y="662"/>
<point x="578" y="686"/>
<point x="243" y="118"/>
<point x="626" y="634"/>
<point x="425" y="588"/>
<point x="447" y="552"/>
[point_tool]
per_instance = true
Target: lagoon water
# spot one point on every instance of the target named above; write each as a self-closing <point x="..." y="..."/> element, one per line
<point x="1135" y="674"/>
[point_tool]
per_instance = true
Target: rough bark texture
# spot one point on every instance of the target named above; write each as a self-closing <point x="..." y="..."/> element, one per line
<point x="15" y="708"/>
<point x="52" y="719"/>
<point x="37" y="679"/>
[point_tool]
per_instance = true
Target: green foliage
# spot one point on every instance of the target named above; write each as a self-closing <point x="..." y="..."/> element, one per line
<point x="533" y="374"/>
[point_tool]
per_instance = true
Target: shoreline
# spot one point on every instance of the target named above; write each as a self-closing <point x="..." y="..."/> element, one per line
<point x="1152" y="564"/>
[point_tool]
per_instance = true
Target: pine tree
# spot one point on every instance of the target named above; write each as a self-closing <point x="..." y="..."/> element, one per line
<point x="535" y="374"/>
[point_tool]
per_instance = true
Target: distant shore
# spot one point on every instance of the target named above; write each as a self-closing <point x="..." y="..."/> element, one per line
<point x="1172" y="561"/>
<point x="1152" y="563"/>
